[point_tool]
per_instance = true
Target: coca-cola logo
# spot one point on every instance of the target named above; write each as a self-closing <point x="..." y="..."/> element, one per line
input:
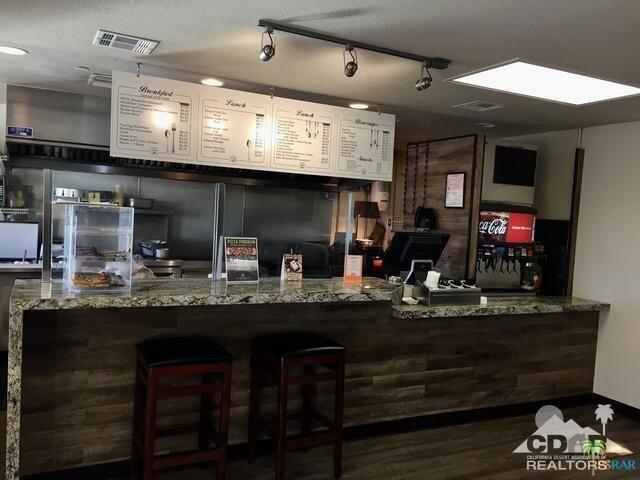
<point x="497" y="226"/>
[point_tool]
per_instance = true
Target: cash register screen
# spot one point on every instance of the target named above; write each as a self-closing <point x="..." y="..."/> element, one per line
<point x="406" y="246"/>
<point x="15" y="238"/>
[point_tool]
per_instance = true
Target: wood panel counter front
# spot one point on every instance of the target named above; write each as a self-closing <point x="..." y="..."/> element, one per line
<point x="71" y="359"/>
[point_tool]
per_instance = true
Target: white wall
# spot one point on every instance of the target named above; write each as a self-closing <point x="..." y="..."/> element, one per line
<point x="554" y="173"/>
<point x="607" y="265"/>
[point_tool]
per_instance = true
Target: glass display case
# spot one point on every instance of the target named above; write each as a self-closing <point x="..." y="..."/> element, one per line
<point x="98" y="244"/>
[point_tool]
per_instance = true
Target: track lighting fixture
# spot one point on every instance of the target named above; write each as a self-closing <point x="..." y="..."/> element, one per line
<point x="351" y="66"/>
<point x="425" y="80"/>
<point x="268" y="50"/>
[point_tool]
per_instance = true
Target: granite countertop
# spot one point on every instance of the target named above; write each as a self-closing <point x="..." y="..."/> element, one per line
<point x="35" y="295"/>
<point x="502" y="306"/>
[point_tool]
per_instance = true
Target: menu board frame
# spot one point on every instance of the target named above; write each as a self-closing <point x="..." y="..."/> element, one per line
<point x="219" y="136"/>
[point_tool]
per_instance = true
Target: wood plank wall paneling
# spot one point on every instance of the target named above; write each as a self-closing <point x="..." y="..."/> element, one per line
<point x="78" y="368"/>
<point x="423" y="178"/>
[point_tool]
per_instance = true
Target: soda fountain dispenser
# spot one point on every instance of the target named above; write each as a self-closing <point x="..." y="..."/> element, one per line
<point x="508" y="258"/>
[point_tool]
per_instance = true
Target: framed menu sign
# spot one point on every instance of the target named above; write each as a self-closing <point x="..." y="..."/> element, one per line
<point x="152" y="118"/>
<point x="454" y="190"/>
<point x="241" y="259"/>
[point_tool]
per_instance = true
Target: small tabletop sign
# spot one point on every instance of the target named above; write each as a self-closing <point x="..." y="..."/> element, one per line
<point x="291" y="268"/>
<point x="353" y="268"/>
<point x="241" y="259"/>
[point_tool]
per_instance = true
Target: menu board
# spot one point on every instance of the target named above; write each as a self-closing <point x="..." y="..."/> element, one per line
<point x="152" y="118"/>
<point x="365" y="145"/>
<point x="156" y="118"/>
<point x="234" y="127"/>
<point x="302" y="137"/>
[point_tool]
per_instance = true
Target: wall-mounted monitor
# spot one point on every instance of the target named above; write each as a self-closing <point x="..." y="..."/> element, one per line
<point x="515" y="166"/>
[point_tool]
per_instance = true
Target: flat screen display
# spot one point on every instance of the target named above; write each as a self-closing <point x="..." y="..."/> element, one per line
<point x="515" y="166"/>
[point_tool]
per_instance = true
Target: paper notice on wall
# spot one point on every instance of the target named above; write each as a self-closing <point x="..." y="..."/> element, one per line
<point x="365" y="145"/>
<point x="234" y="128"/>
<point x="303" y="137"/>
<point x="152" y="118"/>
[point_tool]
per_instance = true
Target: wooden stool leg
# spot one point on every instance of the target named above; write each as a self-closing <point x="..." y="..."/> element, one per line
<point x="307" y="401"/>
<point x="281" y="430"/>
<point x="223" y="427"/>
<point x="206" y="402"/>
<point x="150" y="423"/>
<point x="254" y="399"/>
<point x="138" y="411"/>
<point x="338" y="418"/>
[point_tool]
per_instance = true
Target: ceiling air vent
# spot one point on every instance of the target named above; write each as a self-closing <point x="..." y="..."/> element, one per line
<point x="141" y="46"/>
<point x="100" y="80"/>
<point x="478" y="106"/>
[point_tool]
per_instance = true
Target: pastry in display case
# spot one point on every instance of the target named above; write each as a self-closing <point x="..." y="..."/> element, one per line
<point x="98" y="242"/>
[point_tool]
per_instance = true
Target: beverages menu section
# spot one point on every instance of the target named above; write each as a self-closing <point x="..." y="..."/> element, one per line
<point x="155" y="118"/>
<point x="365" y="145"/>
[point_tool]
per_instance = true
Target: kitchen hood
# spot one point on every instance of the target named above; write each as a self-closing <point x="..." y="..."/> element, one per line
<point x="91" y="159"/>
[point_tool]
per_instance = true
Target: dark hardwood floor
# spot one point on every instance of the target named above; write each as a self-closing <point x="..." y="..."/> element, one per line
<point x="480" y="450"/>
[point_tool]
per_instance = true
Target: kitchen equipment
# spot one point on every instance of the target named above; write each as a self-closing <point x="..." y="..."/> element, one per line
<point x="425" y="219"/>
<point x="67" y="192"/>
<point x="162" y="253"/>
<point x="18" y="238"/>
<point x="148" y="248"/>
<point x="137" y="202"/>
<point x="165" y="268"/>
<point x="364" y="242"/>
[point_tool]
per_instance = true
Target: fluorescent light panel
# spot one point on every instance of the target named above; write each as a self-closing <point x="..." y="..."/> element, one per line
<point x="546" y="83"/>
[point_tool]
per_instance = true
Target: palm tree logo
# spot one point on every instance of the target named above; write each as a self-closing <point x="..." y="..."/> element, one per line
<point x="593" y="447"/>
<point x="604" y="414"/>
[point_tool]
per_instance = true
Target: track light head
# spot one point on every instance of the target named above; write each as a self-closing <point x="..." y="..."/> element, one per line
<point x="267" y="50"/>
<point x="351" y="66"/>
<point x="425" y="80"/>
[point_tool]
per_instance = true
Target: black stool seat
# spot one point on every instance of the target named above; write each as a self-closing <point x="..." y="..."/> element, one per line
<point x="295" y="344"/>
<point x="172" y="351"/>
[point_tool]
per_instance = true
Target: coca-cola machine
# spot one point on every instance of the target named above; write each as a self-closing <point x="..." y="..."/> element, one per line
<point x="508" y="260"/>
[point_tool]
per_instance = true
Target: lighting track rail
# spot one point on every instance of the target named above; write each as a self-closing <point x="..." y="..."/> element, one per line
<point x="430" y="62"/>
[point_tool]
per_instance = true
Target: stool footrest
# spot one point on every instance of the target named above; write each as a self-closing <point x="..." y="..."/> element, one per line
<point x="310" y="440"/>
<point x="268" y="424"/>
<point x="188" y="390"/>
<point x="312" y="378"/>
<point x="186" y="458"/>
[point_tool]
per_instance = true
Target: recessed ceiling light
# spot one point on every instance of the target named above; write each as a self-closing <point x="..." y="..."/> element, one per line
<point x="82" y="68"/>
<point x="12" y="50"/>
<point x="486" y="124"/>
<point x="359" y="106"/>
<point x="212" y="82"/>
<point x="527" y="79"/>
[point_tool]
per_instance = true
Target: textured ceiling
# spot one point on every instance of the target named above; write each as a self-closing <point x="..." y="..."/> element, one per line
<point x="219" y="38"/>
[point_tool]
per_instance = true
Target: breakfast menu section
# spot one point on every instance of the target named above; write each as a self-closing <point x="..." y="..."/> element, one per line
<point x="365" y="146"/>
<point x="233" y="129"/>
<point x="154" y="118"/>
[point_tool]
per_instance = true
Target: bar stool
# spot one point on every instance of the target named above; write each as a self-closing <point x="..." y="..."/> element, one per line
<point x="159" y="358"/>
<point x="322" y="360"/>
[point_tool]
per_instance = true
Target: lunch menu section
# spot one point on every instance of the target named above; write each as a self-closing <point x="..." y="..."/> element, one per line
<point x="161" y="119"/>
